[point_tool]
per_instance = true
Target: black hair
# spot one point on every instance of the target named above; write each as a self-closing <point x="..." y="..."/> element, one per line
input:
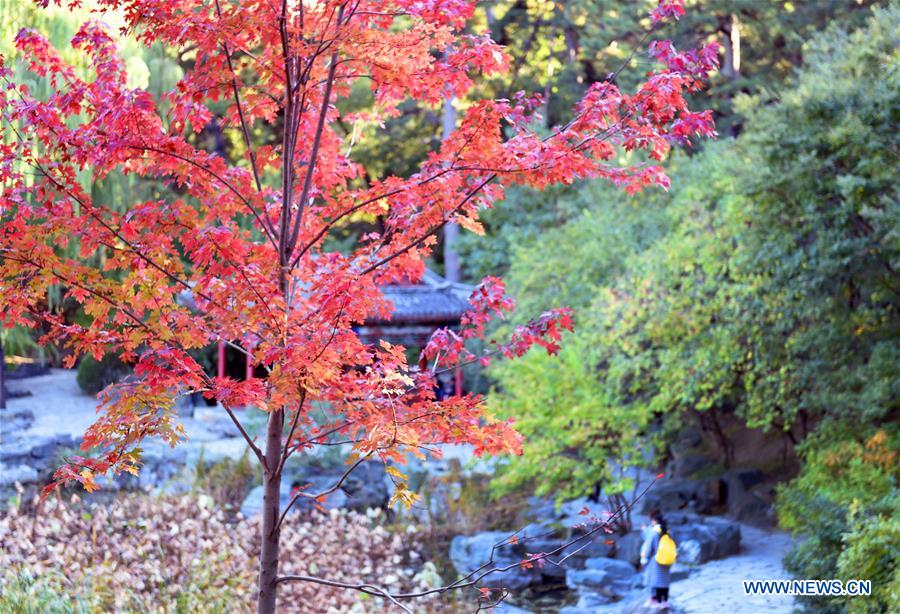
<point x="656" y="515"/>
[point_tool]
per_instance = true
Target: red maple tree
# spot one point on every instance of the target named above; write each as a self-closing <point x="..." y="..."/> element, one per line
<point x="248" y="240"/>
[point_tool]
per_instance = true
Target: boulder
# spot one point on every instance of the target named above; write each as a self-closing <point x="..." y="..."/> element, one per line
<point x="540" y="509"/>
<point x="699" y="496"/>
<point x="702" y="539"/>
<point x="547" y="537"/>
<point x="11" y="474"/>
<point x="690" y="552"/>
<point x="39" y="451"/>
<point x="741" y="480"/>
<point x="596" y="546"/>
<point x="628" y="547"/>
<point x="606" y="576"/>
<point x="13" y="421"/>
<point x="366" y="487"/>
<point x="752" y="509"/>
<point x="468" y="553"/>
<point x="690" y="465"/>
<point x="253" y="502"/>
<point x="726" y="536"/>
<point x="748" y="498"/>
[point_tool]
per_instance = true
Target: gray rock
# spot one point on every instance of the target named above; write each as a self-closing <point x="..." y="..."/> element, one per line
<point x="253" y="502"/>
<point x="713" y="538"/>
<point x="628" y="547"/>
<point x="38" y="451"/>
<point x="366" y="487"/>
<point x="546" y="537"/>
<point x="726" y="536"/>
<point x="689" y="465"/>
<point x="471" y="552"/>
<point x="10" y="474"/>
<point x="606" y="576"/>
<point x="690" y="552"/>
<point x="699" y="496"/>
<point x="541" y="509"/>
<point x="743" y="479"/>
<point x="752" y="509"/>
<point x="13" y="421"/>
<point x="597" y="545"/>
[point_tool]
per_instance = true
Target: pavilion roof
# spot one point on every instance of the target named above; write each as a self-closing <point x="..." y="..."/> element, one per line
<point x="432" y="300"/>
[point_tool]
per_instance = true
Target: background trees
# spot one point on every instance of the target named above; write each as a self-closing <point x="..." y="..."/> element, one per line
<point x="763" y="288"/>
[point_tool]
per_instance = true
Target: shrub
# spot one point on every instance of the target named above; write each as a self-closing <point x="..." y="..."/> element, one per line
<point x="846" y="502"/>
<point x="95" y="375"/>
<point x="227" y="481"/>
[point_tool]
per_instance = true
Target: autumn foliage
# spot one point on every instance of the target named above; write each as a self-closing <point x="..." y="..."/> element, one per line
<point x="247" y="242"/>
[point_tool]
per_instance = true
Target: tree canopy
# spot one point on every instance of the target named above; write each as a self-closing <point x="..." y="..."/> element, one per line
<point x="763" y="286"/>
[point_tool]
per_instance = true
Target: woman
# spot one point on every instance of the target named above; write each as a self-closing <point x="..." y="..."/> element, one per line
<point x="658" y="575"/>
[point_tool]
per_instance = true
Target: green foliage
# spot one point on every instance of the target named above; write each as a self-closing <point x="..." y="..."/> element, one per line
<point x="597" y="400"/>
<point x="763" y="287"/>
<point x="95" y="375"/>
<point x="23" y="594"/>
<point x="846" y="501"/>
<point x="17" y="341"/>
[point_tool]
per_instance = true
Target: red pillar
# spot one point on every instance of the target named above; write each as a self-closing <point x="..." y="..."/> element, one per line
<point x="220" y="371"/>
<point x="458" y="381"/>
<point x="249" y="372"/>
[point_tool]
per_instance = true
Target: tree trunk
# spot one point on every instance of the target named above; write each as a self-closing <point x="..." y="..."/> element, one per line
<point x="269" y="534"/>
<point x="451" y="230"/>
<point x="731" y="29"/>
<point x="2" y="378"/>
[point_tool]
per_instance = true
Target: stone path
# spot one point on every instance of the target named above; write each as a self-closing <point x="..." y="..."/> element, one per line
<point x="716" y="587"/>
<point x="58" y="404"/>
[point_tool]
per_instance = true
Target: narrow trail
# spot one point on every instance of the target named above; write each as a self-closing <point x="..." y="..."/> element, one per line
<point x="716" y="587"/>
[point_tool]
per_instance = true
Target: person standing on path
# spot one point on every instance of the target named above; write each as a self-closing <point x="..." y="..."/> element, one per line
<point x="658" y="574"/>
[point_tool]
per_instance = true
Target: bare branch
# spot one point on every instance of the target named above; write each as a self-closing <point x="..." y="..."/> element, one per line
<point x="472" y="578"/>
<point x="300" y="494"/>
<point x="245" y="435"/>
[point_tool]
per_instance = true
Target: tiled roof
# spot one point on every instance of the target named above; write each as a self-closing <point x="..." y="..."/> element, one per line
<point x="434" y="299"/>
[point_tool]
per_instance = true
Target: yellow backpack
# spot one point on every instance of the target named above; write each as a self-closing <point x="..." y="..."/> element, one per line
<point x="665" y="550"/>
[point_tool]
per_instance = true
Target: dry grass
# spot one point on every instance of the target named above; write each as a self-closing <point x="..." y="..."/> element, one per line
<point x="183" y="554"/>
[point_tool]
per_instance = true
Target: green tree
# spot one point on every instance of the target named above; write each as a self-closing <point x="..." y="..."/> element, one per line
<point x="564" y="47"/>
<point x="772" y="298"/>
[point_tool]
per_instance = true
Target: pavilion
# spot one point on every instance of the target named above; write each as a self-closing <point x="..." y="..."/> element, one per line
<point x="419" y="309"/>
